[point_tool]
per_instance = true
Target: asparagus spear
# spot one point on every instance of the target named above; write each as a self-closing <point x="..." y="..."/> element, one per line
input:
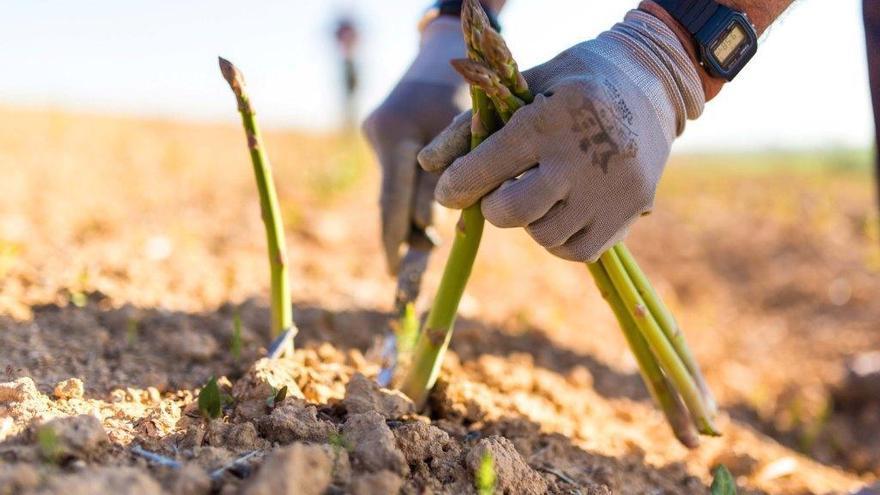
<point x="434" y="339"/>
<point x="282" y="311"/>
<point x="662" y="348"/>
<point x="667" y="323"/>
<point x="658" y="386"/>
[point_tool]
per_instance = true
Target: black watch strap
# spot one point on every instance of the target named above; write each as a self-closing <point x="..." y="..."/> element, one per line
<point x="453" y="8"/>
<point x="692" y="14"/>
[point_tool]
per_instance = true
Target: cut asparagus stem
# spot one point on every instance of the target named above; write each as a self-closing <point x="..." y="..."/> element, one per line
<point x="658" y="386"/>
<point x="282" y="311"/>
<point x="667" y="322"/>
<point x="665" y="354"/>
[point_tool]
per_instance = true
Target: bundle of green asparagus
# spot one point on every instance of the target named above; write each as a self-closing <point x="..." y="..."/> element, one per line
<point x="498" y="90"/>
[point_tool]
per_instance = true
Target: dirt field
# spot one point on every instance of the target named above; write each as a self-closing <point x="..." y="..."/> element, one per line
<point x="128" y="246"/>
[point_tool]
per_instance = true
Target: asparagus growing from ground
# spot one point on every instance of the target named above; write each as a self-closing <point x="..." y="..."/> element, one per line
<point x="281" y="309"/>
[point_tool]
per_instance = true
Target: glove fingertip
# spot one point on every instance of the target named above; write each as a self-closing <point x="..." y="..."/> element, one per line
<point x="430" y="160"/>
<point x="448" y="195"/>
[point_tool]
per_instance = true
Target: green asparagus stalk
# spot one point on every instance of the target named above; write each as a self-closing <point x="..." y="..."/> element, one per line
<point x="658" y="386"/>
<point x="662" y="348"/>
<point x="282" y="311"/>
<point x="667" y="323"/>
<point x="434" y="338"/>
<point x="498" y="58"/>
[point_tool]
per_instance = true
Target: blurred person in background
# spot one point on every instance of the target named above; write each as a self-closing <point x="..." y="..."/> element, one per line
<point x="871" y="12"/>
<point x="346" y="36"/>
<point x="579" y="165"/>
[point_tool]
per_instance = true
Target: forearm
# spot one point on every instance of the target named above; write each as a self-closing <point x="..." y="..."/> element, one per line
<point x="762" y="13"/>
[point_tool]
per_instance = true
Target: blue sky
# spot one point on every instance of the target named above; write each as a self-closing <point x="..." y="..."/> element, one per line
<point x="806" y="88"/>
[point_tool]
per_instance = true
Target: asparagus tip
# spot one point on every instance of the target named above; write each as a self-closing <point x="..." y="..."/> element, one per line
<point x="475" y="73"/>
<point x="232" y="75"/>
<point x="495" y="49"/>
<point x="472" y="12"/>
<point x="473" y="21"/>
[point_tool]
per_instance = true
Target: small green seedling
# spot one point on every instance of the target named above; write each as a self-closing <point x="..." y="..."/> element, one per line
<point x="50" y="447"/>
<point x="235" y="344"/>
<point x="723" y="484"/>
<point x="277" y="396"/>
<point x="131" y="331"/>
<point x="78" y="297"/>
<point x="9" y="253"/>
<point x="210" y="403"/>
<point x="485" y="476"/>
<point x="339" y="442"/>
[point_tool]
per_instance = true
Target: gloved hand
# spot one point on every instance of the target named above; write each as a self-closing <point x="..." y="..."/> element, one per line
<point x="581" y="163"/>
<point x="418" y="108"/>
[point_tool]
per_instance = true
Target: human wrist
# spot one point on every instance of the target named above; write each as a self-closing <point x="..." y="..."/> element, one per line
<point x="441" y="41"/>
<point x="657" y="65"/>
<point x="711" y="85"/>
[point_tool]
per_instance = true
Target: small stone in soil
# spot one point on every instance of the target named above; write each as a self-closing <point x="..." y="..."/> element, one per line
<point x="378" y="482"/>
<point x="363" y="395"/>
<point x="72" y="388"/>
<point x="295" y="420"/>
<point x="299" y="469"/>
<point x="372" y="443"/>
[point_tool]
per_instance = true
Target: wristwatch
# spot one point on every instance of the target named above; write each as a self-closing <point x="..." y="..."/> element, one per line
<point x="453" y="8"/>
<point x="725" y="37"/>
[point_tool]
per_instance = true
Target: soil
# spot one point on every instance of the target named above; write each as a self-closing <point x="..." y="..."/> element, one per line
<point x="128" y="248"/>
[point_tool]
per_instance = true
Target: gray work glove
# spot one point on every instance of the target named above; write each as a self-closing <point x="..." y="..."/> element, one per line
<point x="581" y="163"/>
<point x="418" y="108"/>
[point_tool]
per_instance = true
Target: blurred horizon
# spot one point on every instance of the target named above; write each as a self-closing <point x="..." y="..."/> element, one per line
<point x="136" y="59"/>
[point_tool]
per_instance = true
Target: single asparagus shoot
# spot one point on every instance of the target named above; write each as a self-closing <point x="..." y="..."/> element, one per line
<point x="473" y="22"/>
<point x="282" y="311"/>
<point x="434" y="338"/>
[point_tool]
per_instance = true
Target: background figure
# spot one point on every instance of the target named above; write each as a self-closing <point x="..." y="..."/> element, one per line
<point x="871" y="11"/>
<point x="346" y="35"/>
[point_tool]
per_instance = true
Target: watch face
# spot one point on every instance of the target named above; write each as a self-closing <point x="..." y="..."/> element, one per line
<point x="729" y="44"/>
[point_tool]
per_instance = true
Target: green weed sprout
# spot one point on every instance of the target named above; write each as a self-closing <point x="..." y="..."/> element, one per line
<point x="485" y="478"/>
<point x="210" y="403"/>
<point x="723" y="483"/>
